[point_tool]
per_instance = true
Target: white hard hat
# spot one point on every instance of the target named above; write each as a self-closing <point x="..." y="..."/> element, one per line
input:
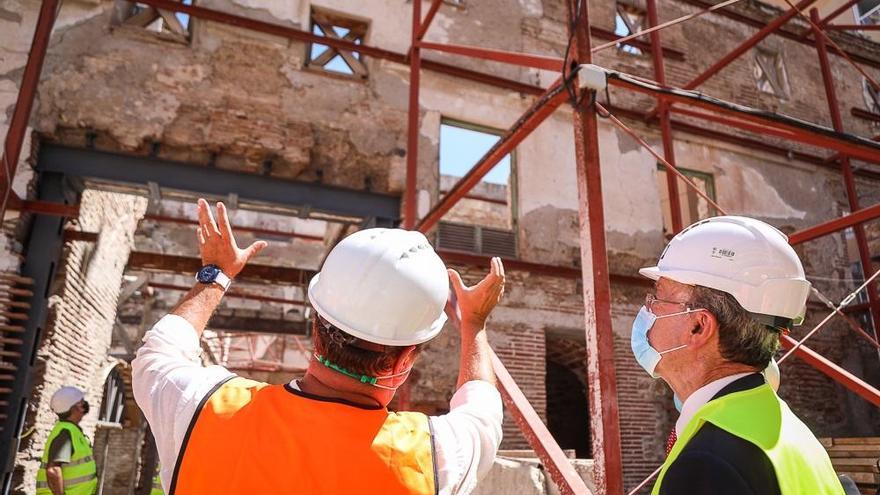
<point x="744" y="257"/>
<point x="385" y="286"/>
<point x="64" y="398"/>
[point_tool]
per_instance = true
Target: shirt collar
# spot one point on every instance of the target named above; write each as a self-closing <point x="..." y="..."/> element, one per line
<point x="700" y="397"/>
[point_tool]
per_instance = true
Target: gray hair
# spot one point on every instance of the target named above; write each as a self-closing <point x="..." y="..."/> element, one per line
<point x="741" y="338"/>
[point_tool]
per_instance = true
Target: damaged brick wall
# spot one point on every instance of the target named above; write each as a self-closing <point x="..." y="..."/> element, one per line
<point x="75" y="348"/>
<point x="234" y="99"/>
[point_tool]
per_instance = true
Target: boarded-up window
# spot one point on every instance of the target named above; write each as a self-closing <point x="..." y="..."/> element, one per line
<point x="693" y="207"/>
<point x="171" y="24"/>
<point x="628" y="20"/>
<point x="337" y="60"/>
<point x="770" y="75"/>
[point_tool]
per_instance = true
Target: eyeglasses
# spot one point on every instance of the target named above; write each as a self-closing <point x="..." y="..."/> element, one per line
<point x="651" y="300"/>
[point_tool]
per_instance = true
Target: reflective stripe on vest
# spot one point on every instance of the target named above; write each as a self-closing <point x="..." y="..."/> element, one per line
<point x="80" y="475"/>
<point x="759" y="416"/>
<point x="251" y="437"/>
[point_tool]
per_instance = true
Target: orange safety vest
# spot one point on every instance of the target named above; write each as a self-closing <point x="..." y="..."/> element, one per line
<point x="252" y="437"/>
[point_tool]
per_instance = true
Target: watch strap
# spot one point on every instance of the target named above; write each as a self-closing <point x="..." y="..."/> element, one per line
<point x="223" y="280"/>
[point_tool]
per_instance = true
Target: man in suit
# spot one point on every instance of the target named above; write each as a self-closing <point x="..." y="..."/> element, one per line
<point x="726" y="288"/>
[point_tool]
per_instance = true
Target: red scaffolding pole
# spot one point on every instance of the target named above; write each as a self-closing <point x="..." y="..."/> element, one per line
<point x="665" y="124"/>
<point x="601" y="379"/>
<point x="412" y="141"/>
<point x="601" y="376"/>
<point x="25" y="102"/>
<point x="852" y="194"/>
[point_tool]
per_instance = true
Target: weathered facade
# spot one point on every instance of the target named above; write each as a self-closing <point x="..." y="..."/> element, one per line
<point x="233" y="99"/>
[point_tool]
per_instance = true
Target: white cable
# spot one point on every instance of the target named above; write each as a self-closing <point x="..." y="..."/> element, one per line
<point x="848" y="299"/>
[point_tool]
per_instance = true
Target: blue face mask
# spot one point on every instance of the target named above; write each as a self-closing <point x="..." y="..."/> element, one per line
<point x="647" y="356"/>
<point x="677" y="402"/>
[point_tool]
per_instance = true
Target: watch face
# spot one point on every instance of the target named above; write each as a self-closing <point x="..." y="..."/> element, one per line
<point x="207" y="274"/>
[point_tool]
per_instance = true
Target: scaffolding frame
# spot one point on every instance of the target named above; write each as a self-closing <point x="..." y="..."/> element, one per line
<point x="600" y="362"/>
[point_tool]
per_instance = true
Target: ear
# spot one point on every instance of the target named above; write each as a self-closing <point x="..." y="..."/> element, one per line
<point x="406" y="358"/>
<point x="706" y="329"/>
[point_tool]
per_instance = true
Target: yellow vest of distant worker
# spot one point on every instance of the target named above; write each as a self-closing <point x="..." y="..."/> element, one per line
<point x="759" y="416"/>
<point x="80" y="474"/>
<point x="251" y="437"/>
<point x="157" y="483"/>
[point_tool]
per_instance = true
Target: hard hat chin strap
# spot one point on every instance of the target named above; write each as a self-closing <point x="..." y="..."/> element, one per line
<point x="365" y="379"/>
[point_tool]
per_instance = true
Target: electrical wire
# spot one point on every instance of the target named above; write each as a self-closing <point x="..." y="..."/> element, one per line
<point x="664" y="25"/>
<point x="846" y="300"/>
<point x="600" y="110"/>
<point x="742" y="109"/>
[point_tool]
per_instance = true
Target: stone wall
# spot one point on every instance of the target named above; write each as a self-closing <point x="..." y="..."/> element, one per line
<point x="75" y="348"/>
<point x="230" y="98"/>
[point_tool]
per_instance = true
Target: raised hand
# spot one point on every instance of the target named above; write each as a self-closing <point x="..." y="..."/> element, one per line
<point x="473" y="305"/>
<point x="217" y="245"/>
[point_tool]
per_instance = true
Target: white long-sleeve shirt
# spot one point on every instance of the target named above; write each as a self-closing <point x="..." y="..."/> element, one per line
<point x="169" y="382"/>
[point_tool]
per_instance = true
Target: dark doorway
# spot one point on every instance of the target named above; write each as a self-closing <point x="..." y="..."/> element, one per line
<point x="568" y="416"/>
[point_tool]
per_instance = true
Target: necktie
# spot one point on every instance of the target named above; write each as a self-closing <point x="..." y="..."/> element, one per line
<point x="670" y="441"/>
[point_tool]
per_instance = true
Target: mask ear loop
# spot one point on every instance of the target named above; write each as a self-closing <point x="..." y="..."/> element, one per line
<point x="365" y="379"/>
<point x="686" y="312"/>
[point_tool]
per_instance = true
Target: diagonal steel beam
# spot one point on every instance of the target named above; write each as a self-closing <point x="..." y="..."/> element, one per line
<point x="432" y="11"/>
<point x="835" y="372"/>
<point x="742" y="48"/>
<point x="25" y="102"/>
<point x="836" y="225"/>
<point x="537" y="434"/>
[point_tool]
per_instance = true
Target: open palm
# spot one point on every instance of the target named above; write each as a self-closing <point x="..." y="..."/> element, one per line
<point x="472" y="305"/>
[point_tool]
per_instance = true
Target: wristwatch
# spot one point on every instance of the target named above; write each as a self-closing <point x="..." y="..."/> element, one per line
<point x="212" y="274"/>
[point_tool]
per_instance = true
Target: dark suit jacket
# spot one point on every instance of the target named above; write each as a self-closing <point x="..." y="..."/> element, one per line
<point x="715" y="462"/>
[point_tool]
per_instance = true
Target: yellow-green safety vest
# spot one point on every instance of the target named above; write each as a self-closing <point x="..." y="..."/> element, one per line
<point x="80" y="474"/>
<point x="759" y="416"/>
<point x="157" y="483"/>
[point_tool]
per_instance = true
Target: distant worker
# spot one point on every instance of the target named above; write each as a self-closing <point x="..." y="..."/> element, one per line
<point x="726" y="288"/>
<point x="157" y="482"/>
<point x="67" y="466"/>
<point x="380" y="296"/>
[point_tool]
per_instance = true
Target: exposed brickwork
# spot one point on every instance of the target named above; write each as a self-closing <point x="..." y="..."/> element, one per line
<point x="240" y="100"/>
<point x="120" y="466"/>
<point x="77" y="339"/>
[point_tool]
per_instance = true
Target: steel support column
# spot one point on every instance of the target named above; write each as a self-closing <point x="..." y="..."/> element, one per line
<point x="41" y="263"/>
<point x="25" y="102"/>
<point x="601" y="377"/>
<point x="852" y="194"/>
<point x="665" y="124"/>
<point x="412" y="139"/>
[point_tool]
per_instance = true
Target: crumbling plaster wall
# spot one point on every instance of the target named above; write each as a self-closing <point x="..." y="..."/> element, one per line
<point x="244" y="98"/>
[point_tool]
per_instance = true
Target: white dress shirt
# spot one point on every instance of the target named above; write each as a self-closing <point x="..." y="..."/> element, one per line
<point x="169" y="381"/>
<point x="700" y="397"/>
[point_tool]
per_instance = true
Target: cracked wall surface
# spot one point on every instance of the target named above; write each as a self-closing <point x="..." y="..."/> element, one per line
<point x="234" y="99"/>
